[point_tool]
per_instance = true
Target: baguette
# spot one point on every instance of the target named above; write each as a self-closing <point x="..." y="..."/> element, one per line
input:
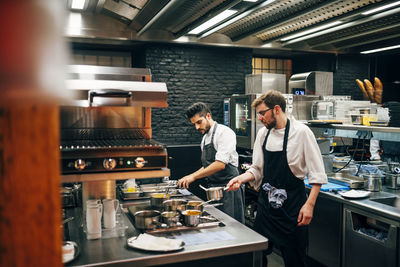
<point x="370" y="89"/>
<point x="362" y="87"/>
<point x="378" y="90"/>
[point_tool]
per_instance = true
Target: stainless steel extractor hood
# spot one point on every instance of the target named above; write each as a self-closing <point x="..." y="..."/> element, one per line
<point x="115" y="86"/>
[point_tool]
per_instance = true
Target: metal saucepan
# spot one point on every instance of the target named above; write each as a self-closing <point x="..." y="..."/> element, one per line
<point x="170" y="218"/>
<point x="177" y="204"/>
<point x="157" y="199"/>
<point x="194" y="205"/>
<point x="214" y="193"/>
<point x="191" y="217"/>
<point x="147" y="219"/>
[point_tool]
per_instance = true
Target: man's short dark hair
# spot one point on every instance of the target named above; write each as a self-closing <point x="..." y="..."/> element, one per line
<point x="270" y="99"/>
<point x="197" y="108"/>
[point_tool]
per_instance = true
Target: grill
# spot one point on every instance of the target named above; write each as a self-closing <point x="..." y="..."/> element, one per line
<point x="105" y="137"/>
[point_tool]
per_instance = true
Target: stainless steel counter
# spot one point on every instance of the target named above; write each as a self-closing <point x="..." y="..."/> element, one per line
<point x="114" y="251"/>
<point x="370" y="204"/>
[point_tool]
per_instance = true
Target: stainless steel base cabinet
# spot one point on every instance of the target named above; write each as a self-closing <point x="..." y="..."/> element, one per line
<point x="368" y="239"/>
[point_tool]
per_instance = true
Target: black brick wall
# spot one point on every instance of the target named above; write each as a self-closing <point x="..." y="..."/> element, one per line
<point x="194" y="73"/>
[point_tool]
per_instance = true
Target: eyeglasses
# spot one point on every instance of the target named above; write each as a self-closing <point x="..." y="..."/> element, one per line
<point x="262" y="112"/>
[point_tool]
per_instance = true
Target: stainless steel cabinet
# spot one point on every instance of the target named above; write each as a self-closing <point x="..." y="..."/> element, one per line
<point x="325" y="232"/>
<point x="363" y="244"/>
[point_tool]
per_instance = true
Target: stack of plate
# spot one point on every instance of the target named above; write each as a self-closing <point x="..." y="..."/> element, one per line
<point x="394" y="113"/>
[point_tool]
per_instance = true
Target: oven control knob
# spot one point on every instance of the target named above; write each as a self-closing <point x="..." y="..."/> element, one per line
<point x="79" y="164"/>
<point x="109" y="163"/>
<point x="140" y="162"/>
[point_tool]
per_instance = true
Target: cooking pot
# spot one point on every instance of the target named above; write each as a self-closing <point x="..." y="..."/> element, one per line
<point x="372" y="182"/>
<point x="392" y="180"/>
<point x="177" y="204"/>
<point x="147" y="219"/>
<point x="170" y="218"/>
<point x="157" y="199"/>
<point x="194" y="205"/>
<point x="191" y="217"/>
<point x="214" y="193"/>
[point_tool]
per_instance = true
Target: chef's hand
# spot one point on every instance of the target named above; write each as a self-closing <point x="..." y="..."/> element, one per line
<point x="186" y="181"/>
<point x="234" y="184"/>
<point x="305" y="214"/>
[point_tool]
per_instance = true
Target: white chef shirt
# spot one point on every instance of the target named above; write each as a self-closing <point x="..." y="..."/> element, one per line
<point x="224" y="144"/>
<point x="303" y="154"/>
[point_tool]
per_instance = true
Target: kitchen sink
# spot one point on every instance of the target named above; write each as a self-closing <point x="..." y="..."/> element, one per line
<point x="391" y="201"/>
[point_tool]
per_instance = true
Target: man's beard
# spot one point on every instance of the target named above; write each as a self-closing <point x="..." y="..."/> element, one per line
<point x="207" y="128"/>
<point x="272" y="124"/>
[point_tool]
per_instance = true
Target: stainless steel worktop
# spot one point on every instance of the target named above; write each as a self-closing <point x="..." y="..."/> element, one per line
<point x="114" y="251"/>
<point x="368" y="204"/>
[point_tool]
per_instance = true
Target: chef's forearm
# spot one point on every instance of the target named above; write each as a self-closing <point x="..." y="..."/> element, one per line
<point x="214" y="167"/>
<point x="312" y="197"/>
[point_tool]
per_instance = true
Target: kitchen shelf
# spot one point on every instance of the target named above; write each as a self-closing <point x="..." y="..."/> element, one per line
<point x="354" y="131"/>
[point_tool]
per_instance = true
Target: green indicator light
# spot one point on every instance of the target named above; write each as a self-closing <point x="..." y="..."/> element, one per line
<point x="128" y="162"/>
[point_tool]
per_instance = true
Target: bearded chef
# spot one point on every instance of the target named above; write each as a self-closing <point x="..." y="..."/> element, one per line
<point x="284" y="152"/>
<point x="219" y="159"/>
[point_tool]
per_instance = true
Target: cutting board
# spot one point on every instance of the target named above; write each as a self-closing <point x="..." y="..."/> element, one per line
<point x="329" y="186"/>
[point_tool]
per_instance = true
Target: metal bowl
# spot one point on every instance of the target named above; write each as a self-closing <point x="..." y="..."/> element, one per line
<point x="147" y="219"/>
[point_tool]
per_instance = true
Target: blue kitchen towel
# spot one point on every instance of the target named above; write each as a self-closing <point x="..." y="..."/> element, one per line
<point x="329" y="186"/>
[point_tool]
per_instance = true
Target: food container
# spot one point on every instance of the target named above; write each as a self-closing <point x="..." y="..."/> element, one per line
<point x="372" y="182"/>
<point x="174" y="204"/>
<point x="157" y="199"/>
<point x="356" y="119"/>
<point x="394" y="167"/>
<point x="194" y="205"/>
<point x="392" y="180"/>
<point x="147" y="219"/>
<point x="170" y="218"/>
<point x="191" y="217"/>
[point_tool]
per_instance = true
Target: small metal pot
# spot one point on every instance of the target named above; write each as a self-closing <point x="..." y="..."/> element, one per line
<point x="147" y="219"/>
<point x="170" y="218"/>
<point x="372" y="182"/>
<point x="174" y="204"/>
<point x="194" y="205"/>
<point x="157" y="200"/>
<point x="214" y="193"/>
<point x="191" y="217"/>
<point x="392" y="180"/>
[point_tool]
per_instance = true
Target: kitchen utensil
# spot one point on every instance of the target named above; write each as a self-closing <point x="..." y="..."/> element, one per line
<point x="214" y="193"/>
<point x="372" y="182"/>
<point x="110" y="209"/>
<point x="194" y="205"/>
<point x="174" y="204"/>
<point x="70" y="251"/>
<point x="147" y="219"/>
<point x="191" y="217"/>
<point x="67" y="220"/>
<point x="170" y="218"/>
<point x="157" y="199"/>
<point x="93" y="220"/>
<point x="392" y="180"/>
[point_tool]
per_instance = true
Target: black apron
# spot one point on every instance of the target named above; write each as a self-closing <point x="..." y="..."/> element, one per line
<point x="280" y="225"/>
<point x="233" y="201"/>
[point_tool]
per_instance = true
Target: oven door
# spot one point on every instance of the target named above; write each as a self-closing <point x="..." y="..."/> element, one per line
<point x="243" y="120"/>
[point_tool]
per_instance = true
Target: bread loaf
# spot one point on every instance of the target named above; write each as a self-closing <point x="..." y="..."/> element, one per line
<point x="362" y="87"/>
<point x="370" y="89"/>
<point x="378" y="90"/>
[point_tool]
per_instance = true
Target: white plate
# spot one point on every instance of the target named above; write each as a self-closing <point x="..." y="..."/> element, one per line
<point x="133" y="243"/>
<point x="355" y="194"/>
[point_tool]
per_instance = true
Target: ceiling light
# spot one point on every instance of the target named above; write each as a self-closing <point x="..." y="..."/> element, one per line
<point x="232" y="20"/>
<point x="380" y="49"/>
<point x="381" y="8"/>
<point x="209" y="23"/>
<point x="250" y="1"/>
<point x="290" y="37"/>
<point x="78" y="4"/>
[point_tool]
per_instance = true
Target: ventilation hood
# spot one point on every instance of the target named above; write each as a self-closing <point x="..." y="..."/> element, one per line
<point x="334" y="26"/>
<point x="115" y="86"/>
